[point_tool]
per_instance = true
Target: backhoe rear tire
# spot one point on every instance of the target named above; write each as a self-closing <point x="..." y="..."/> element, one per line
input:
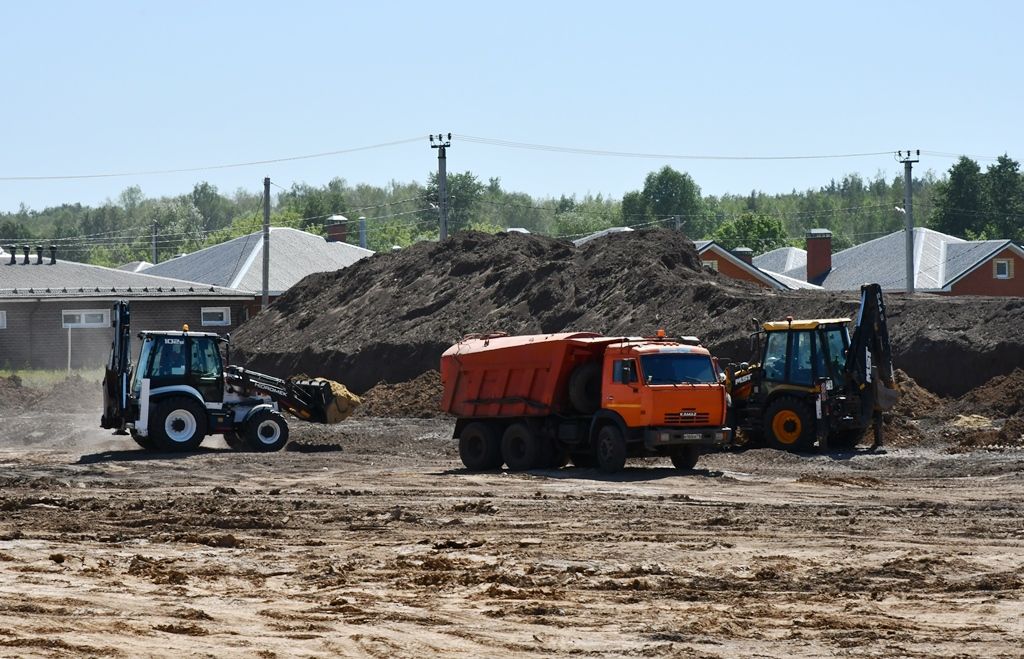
<point x="480" y="446"/>
<point x="585" y="388"/>
<point x="265" y="431"/>
<point x="789" y="424"/>
<point x="178" y="424"/>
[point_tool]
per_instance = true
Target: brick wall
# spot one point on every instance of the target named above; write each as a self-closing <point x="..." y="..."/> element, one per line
<point x="727" y="268"/>
<point x="35" y="338"/>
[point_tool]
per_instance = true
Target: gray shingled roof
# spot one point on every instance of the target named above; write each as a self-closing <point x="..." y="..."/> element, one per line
<point x="938" y="259"/>
<point x="603" y="232"/>
<point x="65" y="279"/>
<point x="238" y="263"/>
<point x="790" y="282"/>
<point x="784" y="260"/>
<point x="134" y="266"/>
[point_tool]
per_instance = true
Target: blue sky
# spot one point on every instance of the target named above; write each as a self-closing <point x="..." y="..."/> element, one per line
<point x="136" y="86"/>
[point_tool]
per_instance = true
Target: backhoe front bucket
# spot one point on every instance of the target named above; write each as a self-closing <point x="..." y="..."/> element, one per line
<point x="320" y="400"/>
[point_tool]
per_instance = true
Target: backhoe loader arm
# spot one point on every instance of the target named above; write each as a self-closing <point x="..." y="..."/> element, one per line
<point x="869" y="346"/>
<point x="118" y="371"/>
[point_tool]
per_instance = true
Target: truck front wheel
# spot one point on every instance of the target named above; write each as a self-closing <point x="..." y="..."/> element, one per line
<point x="611" y="449"/>
<point x="479" y="447"/>
<point x="521" y="448"/>
<point x="684" y="458"/>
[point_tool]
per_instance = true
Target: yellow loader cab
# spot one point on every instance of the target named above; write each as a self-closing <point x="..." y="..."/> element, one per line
<point x="812" y="381"/>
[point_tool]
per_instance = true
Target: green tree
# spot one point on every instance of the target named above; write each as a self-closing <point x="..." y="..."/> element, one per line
<point x="1004" y="199"/>
<point x="465" y="193"/>
<point x="668" y="193"/>
<point x="759" y="233"/>
<point x="959" y="200"/>
<point x="213" y="208"/>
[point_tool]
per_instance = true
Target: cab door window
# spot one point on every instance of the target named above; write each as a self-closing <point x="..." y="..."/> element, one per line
<point x="801" y="355"/>
<point x="168" y="357"/>
<point x="624" y="371"/>
<point x="775" y="356"/>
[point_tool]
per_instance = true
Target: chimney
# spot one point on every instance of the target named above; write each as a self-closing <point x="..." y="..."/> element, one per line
<point x="14" y="254"/>
<point x="24" y="250"/>
<point x="53" y="254"/>
<point x="819" y="255"/>
<point x="337" y="229"/>
<point x="39" y="254"/>
<point x="744" y="254"/>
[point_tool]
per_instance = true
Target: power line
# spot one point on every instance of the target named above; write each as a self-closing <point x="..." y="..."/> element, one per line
<point x="628" y="154"/>
<point x="251" y="163"/>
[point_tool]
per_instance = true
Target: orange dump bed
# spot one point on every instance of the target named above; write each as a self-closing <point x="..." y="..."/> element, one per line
<point x="514" y="376"/>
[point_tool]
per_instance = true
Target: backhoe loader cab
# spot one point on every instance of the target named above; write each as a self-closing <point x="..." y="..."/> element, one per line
<point x="811" y="381"/>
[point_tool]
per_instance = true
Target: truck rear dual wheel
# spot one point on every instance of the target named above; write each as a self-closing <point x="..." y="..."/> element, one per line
<point x="789" y="424"/>
<point x="265" y="431"/>
<point x="521" y="448"/>
<point x="480" y="447"/>
<point x="178" y="424"/>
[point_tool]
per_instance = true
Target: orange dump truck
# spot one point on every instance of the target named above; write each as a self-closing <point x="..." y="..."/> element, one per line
<point x="535" y="401"/>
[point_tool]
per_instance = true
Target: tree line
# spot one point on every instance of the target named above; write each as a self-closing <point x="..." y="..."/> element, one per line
<point x="967" y="201"/>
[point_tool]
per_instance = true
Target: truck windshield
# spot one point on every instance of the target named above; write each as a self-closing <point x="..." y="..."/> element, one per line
<point x="669" y="368"/>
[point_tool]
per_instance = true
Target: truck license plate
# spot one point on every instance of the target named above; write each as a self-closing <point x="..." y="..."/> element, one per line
<point x="691" y="435"/>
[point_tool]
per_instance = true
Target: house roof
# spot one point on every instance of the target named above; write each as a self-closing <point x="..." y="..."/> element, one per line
<point x="939" y="259"/>
<point x="783" y="260"/>
<point x="68" y="279"/>
<point x="238" y="263"/>
<point x="134" y="266"/>
<point x="604" y="232"/>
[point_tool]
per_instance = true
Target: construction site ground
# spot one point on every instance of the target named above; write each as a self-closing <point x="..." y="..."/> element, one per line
<point x="368" y="539"/>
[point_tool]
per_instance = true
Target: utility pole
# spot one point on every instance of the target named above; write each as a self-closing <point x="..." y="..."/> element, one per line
<point x="678" y="224"/>
<point x="153" y="245"/>
<point x="362" y="232"/>
<point x="266" y="242"/>
<point x="908" y="159"/>
<point x="442" y="179"/>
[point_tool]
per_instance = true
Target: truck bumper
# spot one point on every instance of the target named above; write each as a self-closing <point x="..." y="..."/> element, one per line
<point x="658" y="437"/>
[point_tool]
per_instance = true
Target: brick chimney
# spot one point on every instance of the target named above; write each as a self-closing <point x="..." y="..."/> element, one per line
<point x="819" y="255"/>
<point x="744" y="254"/>
<point x="337" y="229"/>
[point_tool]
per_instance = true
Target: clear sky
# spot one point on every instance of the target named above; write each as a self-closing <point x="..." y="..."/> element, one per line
<point x="100" y="87"/>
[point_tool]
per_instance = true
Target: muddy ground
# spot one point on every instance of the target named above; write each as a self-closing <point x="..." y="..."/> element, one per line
<point x="367" y="539"/>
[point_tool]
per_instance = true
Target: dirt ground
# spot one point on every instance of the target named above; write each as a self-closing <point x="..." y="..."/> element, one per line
<point x="367" y="539"/>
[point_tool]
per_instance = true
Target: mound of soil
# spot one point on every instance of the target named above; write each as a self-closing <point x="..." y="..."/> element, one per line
<point x="388" y="318"/>
<point x="74" y="394"/>
<point x="419" y="398"/>
<point x="1002" y="396"/>
<point x="915" y="401"/>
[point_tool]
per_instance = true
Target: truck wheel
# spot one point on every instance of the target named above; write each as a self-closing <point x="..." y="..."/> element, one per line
<point x="585" y="388"/>
<point x="611" y="449"/>
<point x="684" y="458"/>
<point x="479" y="447"/>
<point x="521" y="448"/>
<point x="233" y="440"/>
<point x="788" y="425"/>
<point x="266" y="431"/>
<point x="145" y="442"/>
<point x="179" y="424"/>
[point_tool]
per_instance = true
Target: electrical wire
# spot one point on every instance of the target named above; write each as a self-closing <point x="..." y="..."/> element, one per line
<point x="251" y="163"/>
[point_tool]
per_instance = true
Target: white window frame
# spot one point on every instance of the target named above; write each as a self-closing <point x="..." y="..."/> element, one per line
<point x="215" y="323"/>
<point x="711" y="263"/>
<point x="3" y="319"/>
<point x="82" y="323"/>
<point x="1006" y="269"/>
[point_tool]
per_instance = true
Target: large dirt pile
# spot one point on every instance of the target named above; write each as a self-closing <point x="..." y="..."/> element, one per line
<point x="389" y="317"/>
<point x="417" y="398"/>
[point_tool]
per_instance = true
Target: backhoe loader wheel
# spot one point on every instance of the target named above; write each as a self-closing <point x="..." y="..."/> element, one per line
<point x="145" y="442"/>
<point x="684" y="458"/>
<point x="265" y="431"/>
<point x="178" y="424"/>
<point x="480" y="446"/>
<point x="521" y="448"/>
<point x="233" y="440"/>
<point x="788" y="425"/>
<point x="611" y="449"/>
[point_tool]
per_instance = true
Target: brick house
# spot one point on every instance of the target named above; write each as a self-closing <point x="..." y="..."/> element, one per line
<point x="943" y="264"/>
<point x="54" y="311"/>
<point x="739" y="264"/>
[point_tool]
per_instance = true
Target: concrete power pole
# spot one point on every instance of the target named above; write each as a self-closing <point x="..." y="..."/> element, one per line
<point x="442" y="179"/>
<point x="266" y="242"/>
<point x="362" y="232"/>
<point x="908" y="159"/>
<point x="153" y="246"/>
